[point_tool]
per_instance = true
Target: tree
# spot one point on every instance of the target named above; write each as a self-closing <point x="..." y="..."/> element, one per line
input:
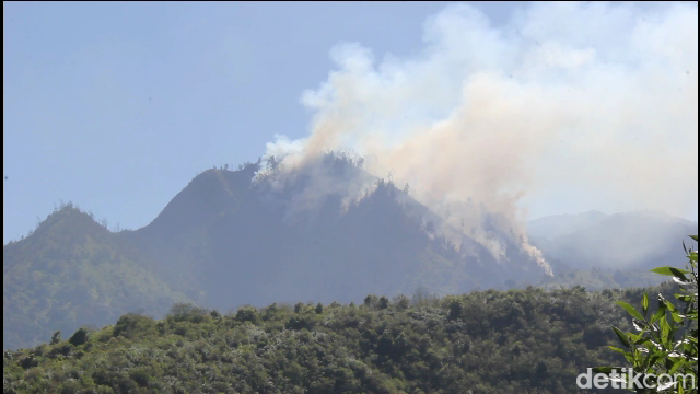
<point x="383" y="303"/>
<point x="245" y="315"/>
<point x="456" y="309"/>
<point x="402" y="302"/>
<point x="370" y="300"/>
<point x="79" y="337"/>
<point x="422" y="295"/>
<point x="56" y="338"/>
<point x="654" y="349"/>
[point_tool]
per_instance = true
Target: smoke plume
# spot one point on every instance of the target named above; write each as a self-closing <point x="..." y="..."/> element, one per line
<point x="586" y="96"/>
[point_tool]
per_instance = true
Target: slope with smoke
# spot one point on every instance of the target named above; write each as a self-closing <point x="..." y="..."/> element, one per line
<point x="592" y="96"/>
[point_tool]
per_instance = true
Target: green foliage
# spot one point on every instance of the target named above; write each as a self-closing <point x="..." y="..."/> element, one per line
<point x="666" y="341"/>
<point x="246" y="315"/>
<point x="133" y="324"/>
<point x="79" y="337"/>
<point x="517" y="341"/>
<point x="370" y="301"/>
<point x="181" y="312"/>
<point x="402" y="302"/>
<point x="56" y="338"/>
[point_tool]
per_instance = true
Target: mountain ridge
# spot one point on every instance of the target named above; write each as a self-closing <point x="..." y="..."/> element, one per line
<point x="247" y="237"/>
<point x="651" y="239"/>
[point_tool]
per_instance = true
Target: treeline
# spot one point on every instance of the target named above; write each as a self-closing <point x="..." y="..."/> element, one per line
<point x="519" y="341"/>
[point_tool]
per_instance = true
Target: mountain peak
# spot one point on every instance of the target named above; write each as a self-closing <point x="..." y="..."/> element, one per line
<point x="208" y="195"/>
<point x="71" y="221"/>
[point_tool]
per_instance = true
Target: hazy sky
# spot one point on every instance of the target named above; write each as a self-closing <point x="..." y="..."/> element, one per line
<point x="116" y="106"/>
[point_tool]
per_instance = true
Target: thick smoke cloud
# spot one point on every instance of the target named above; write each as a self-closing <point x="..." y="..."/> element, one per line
<point x="593" y="96"/>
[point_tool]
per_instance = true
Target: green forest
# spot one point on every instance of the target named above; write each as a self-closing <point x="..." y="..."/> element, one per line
<point x="517" y="341"/>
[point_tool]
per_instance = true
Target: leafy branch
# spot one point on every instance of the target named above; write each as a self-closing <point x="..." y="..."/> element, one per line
<point x="654" y="349"/>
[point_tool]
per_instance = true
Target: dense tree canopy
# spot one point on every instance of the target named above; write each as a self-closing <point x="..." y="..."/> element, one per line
<point x="516" y="341"/>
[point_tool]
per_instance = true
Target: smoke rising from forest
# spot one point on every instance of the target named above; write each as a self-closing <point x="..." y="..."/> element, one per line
<point x="594" y="96"/>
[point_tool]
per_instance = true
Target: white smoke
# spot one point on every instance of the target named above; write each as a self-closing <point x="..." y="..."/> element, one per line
<point x="596" y="96"/>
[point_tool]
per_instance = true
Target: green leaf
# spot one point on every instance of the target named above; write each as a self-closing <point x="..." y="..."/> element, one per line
<point x="670" y="306"/>
<point x="676" y="364"/>
<point x="677" y="317"/>
<point x="649" y="360"/>
<point x="682" y="297"/>
<point x="664" y="330"/>
<point x="669" y="271"/>
<point x="617" y="349"/>
<point x="630" y="309"/>
<point x="659" y="312"/>
<point x="654" y="357"/>
<point x="639" y="339"/>
<point x="605" y="370"/>
<point x="694" y="237"/>
<point x="623" y="338"/>
<point x="680" y="274"/>
<point x="645" y="303"/>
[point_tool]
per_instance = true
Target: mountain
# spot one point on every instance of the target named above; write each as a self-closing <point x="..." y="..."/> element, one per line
<point x="324" y="232"/>
<point x="261" y="242"/>
<point x="628" y="240"/>
<point x="551" y="227"/>
<point x="601" y="251"/>
<point x="227" y="240"/>
<point x="72" y="271"/>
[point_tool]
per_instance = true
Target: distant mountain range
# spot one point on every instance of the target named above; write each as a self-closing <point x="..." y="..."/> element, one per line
<point x="629" y="240"/>
<point x="226" y="240"/>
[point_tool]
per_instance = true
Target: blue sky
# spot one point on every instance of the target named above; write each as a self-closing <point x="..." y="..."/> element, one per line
<point x="116" y="106"/>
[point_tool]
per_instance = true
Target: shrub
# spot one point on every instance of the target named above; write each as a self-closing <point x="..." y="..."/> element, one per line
<point x="79" y="337"/>
<point x="246" y="315"/>
<point x="132" y="324"/>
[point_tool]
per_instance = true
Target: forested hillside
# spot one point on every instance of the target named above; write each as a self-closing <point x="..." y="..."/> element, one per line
<point x="518" y="341"/>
